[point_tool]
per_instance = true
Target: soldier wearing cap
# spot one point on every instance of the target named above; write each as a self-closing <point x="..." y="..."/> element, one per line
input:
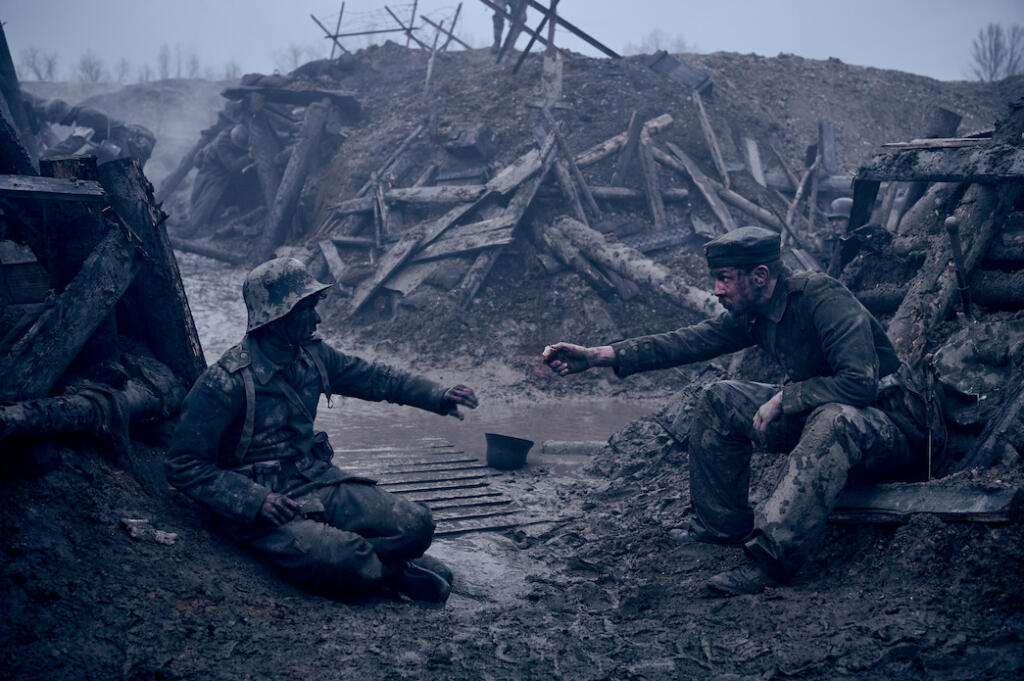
<point x="825" y="415"/>
<point x="245" y="448"/>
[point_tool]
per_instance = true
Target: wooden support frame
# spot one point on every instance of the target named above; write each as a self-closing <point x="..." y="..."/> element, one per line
<point x="408" y="30"/>
<point x="709" y="137"/>
<point x="332" y="36"/>
<point x="575" y="31"/>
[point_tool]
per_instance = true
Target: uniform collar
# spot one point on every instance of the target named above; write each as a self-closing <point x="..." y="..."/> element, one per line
<point x="780" y="299"/>
<point x="262" y="359"/>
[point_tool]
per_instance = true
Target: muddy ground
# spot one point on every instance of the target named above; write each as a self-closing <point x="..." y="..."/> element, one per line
<point x="601" y="594"/>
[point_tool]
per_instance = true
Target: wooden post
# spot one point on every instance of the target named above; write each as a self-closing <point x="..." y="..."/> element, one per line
<point x="652" y="187"/>
<point x="156" y="300"/>
<point x="264" y="148"/>
<point x="451" y="31"/>
<point x="611" y="145"/>
<point x="709" y="136"/>
<point x="628" y="154"/>
<point x="337" y="29"/>
<point x="412" y="21"/>
<point x="287" y="196"/>
<point x="332" y="36"/>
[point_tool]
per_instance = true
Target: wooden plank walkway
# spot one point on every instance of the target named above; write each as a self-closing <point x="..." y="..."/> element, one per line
<point x="459" y="488"/>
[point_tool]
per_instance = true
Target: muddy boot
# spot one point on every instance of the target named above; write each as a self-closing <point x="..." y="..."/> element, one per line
<point x="421" y="584"/>
<point x="745" y="579"/>
<point x="436" y="566"/>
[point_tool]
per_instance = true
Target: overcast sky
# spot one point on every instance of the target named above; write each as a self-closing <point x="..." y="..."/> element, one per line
<point x="928" y="37"/>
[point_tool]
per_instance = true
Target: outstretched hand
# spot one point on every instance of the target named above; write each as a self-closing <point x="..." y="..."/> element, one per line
<point x="456" y="396"/>
<point x="566" y="358"/>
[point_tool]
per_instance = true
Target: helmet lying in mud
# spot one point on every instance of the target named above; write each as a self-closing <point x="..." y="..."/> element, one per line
<point x="840" y="208"/>
<point x="272" y="289"/>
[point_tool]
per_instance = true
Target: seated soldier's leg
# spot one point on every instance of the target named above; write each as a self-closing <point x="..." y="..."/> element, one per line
<point x="720" y="448"/>
<point x="396" y="528"/>
<point x="836" y="439"/>
<point x="325" y="559"/>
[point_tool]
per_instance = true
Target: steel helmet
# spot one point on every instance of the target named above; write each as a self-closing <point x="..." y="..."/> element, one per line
<point x="273" y="289"/>
<point x="840" y="208"/>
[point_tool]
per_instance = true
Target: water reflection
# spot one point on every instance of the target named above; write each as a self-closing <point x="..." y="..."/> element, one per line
<point x="355" y="423"/>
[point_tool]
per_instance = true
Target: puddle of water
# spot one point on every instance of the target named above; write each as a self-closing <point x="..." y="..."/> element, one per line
<point x="356" y="423"/>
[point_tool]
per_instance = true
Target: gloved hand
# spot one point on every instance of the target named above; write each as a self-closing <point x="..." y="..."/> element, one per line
<point x="454" y="397"/>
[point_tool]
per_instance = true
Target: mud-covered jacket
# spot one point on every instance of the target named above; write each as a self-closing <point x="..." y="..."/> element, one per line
<point x="205" y="460"/>
<point x="831" y="347"/>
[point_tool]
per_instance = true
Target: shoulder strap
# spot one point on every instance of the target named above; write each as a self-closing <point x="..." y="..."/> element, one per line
<point x="325" y="381"/>
<point x="290" y="393"/>
<point x="250" y="415"/>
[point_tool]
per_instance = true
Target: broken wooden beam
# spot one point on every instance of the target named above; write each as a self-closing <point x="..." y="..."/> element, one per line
<point x="896" y="502"/>
<point x="983" y="164"/>
<point x="753" y="161"/>
<point x="344" y="100"/>
<point x="652" y="188"/>
<point x="34" y="362"/>
<point x="681" y="162"/>
<point x="633" y="265"/>
<point x="627" y="156"/>
<point x="332" y="36"/>
<point x="279" y="220"/>
<point x="50" y="188"/>
<point x="709" y="137"/>
<point x="670" y="67"/>
<point x="208" y="251"/>
<point x="561" y="21"/>
<point x="613" y="144"/>
<point x="156" y="299"/>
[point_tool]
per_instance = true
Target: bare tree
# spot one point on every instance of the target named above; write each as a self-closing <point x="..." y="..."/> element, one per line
<point x="163" y="62"/>
<point x="124" y="70"/>
<point x="145" y="73"/>
<point x="232" y="71"/>
<point x="90" y="68"/>
<point x="289" y="59"/>
<point x="998" y="53"/>
<point x="50" y="65"/>
<point x="32" y="61"/>
<point x="658" y="40"/>
<point x="192" y="65"/>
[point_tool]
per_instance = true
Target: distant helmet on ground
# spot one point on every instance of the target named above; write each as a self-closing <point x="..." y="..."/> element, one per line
<point x="56" y="110"/>
<point x="840" y="208"/>
<point x="240" y="136"/>
<point x="273" y="289"/>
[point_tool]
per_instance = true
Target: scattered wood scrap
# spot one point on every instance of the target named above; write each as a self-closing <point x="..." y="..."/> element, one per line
<point x="895" y="503"/>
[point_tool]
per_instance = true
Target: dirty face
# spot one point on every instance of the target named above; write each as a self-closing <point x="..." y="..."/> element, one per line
<point x="838" y="225"/>
<point x="300" y="324"/>
<point x="736" y="289"/>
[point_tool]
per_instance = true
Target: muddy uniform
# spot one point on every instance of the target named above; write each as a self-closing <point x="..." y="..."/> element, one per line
<point x="351" y="531"/>
<point x="218" y="168"/>
<point x="517" y="10"/>
<point x="834" y="352"/>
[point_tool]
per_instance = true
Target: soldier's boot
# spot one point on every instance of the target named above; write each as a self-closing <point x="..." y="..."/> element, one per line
<point x="743" y="580"/>
<point x="436" y="566"/>
<point x="421" y="584"/>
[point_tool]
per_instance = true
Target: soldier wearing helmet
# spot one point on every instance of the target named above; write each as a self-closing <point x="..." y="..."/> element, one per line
<point x="246" y="448"/>
<point x="220" y="181"/>
<point x="838" y="221"/>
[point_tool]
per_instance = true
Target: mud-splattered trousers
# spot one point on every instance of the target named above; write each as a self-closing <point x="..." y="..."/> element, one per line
<point x="834" y="353"/>
<point x="351" y="534"/>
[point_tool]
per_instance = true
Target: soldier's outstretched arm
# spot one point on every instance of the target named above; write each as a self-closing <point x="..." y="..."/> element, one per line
<point x="569" y="358"/>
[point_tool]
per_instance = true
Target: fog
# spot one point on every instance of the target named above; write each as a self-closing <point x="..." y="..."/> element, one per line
<point x="209" y="39"/>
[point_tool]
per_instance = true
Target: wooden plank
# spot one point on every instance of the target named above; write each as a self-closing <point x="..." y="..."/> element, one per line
<point x="939" y="143"/>
<point x="570" y="162"/>
<point x="998" y="163"/>
<point x="361" y="204"/>
<point x="613" y="144"/>
<point x="344" y="100"/>
<point x="396" y="256"/>
<point x="453" y="528"/>
<point x="52" y="188"/>
<point x="471" y="237"/>
<point x="462" y="515"/>
<point x="627" y="194"/>
<point x="455" y="495"/>
<point x="753" y="158"/>
<point x="469" y="506"/>
<point x="34" y="363"/>
<point x="897" y="502"/>
<point x="709" y="137"/>
<point x="514" y="174"/>
<point x="410" y="488"/>
<point x="629" y="151"/>
<point x="352" y="241"/>
<point x="334" y="263"/>
<point x="454" y="193"/>
<point x="579" y="33"/>
<point x="652" y="188"/>
<point x="421" y="479"/>
<point x="156" y="299"/>
<point x="690" y="169"/>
